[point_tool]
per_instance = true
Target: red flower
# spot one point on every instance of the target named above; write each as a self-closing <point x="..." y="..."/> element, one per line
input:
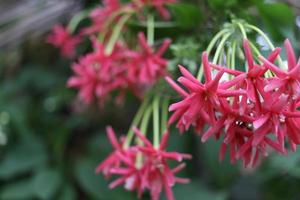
<point x="159" y="5"/>
<point x="201" y="101"/>
<point x="98" y="74"/>
<point x="100" y="15"/>
<point x="157" y="175"/>
<point x="147" y="65"/>
<point x="113" y="160"/>
<point x="62" y="38"/>
<point x="288" y="81"/>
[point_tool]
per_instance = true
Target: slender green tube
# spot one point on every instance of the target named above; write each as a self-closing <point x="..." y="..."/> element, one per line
<point x="150" y="29"/>
<point x="209" y="48"/>
<point x="164" y="117"/>
<point x="135" y="122"/>
<point x="156" y="137"/>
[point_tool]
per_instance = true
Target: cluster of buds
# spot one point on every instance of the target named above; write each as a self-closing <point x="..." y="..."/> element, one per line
<point x="255" y="110"/>
<point x="114" y="65"/>
<point x="144" y="166"/>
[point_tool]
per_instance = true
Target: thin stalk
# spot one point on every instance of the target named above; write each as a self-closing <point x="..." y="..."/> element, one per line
<point x="155" y="107"/>
<point x="150" y="30"/>
<point x="116" y="33"/>
<point x="135" y="122"/>
<point x="220" y="47"/>
<point x="209" y="48"/>
<point x="164" y="115"/>
<point x="144" y="125"/>
<point x="240" y="25"/>
<point x="233" y="49"/>
<point x="260" y="32"/>
<point x="77" y="19"/>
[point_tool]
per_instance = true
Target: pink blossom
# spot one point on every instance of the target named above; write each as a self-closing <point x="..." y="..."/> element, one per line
<point x="147" y="65"/>
<point x="159" y="5"/>
<point x="100" y="15"/>
<point x="200" y="101"/>
<point x="62" y="38"/>
<point x="97" y="74"/>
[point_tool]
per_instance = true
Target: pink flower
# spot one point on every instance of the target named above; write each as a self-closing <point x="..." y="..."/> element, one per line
<point x="159" y="5"/>
<point x="97" y="75"/>
<point x="288" y="81"/>
<point x="201" y="100"/>
<point x="62" y="38"/>
<point x="113" y="160"/>
<point x="147" y="65"/>
<point x="157" y="175"/>
<point x="100" y="15"/>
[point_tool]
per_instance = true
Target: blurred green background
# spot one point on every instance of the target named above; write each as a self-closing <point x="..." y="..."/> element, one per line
<point x="51" y="144"/>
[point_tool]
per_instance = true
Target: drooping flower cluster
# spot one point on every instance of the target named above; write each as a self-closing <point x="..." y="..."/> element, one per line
<point x="63" y="39"/>
<point x="97" y="75"/>
<point x="143" y="167"/>
<point x="249" y="113"/>
<point x="115" y="65"/>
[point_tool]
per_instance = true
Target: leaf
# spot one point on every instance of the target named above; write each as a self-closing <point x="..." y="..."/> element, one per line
<point x="46" y="183"/>
<point x="219" y="4"/>
<point x="186" y="15"/>
<point x="24" y="157"/>
<point x="279" y="13"/>
<point x="94" y="184"/>
<point x="194" y="190"/>
<point x="19" y="190"/>
<point x="223" y="173"/>
<point x="68" y="193"/>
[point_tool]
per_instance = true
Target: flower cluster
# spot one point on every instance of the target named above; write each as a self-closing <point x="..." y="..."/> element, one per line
<point x="97" y="75"/>
<point x="249" y="113"/>
<point x="143" y="167"/>
<point x="63" y="39"/>
<point x="115" y="65"/>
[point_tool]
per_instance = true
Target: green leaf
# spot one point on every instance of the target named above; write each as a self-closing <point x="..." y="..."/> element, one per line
<point x="186" y="15"/>
<point x="194" y="190"/>
<point x="94" y="184"/>
<point x="279" y="13"/>
<point x="46" y="183"/>
<point x="24" y="157"/>
<point x="19" y="190"/>
<point x="219" y="4"/>
<point x="68" y="193"/>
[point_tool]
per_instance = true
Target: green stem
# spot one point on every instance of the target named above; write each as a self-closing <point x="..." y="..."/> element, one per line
<point x="135" y="122"/>
<point x="116" y="33"/>
<point x="240" y="25"/>
<point x="155" y="107"/>
<point x="220" y="47"/>
<point x="150" y="30"/>
<point x="233" y="49"/>
<point x="164" y="116"/>
<point x="260" y="32"/>
<point x="209" y="48"/>
<point x="77" y="19"/>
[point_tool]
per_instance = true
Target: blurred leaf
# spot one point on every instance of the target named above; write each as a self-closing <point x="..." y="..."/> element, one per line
<point x="186" y="15"/>
<point x="95" y="185"/>
<point x="194" y="190"/>
<point x="219" y="4"/>
<point x="223" y="173"/>
<point x="68" y="193"/>
<point x="24" y="157"/>
<point x="279" y="13"/>
<point x="46" y="183"/>
<point x="20" y="190"/>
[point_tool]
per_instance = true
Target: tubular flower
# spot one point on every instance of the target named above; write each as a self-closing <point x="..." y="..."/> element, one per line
<point x="250" y="112"/>
<point x="150" y="172"/>
<point x="200" y="101"/>
<point x="62" y="39"/>
<point x="147" y="65"/>
<point x="98" y="75"/>
<point x="159" y="5"/>
<point x="100" y="15"/>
